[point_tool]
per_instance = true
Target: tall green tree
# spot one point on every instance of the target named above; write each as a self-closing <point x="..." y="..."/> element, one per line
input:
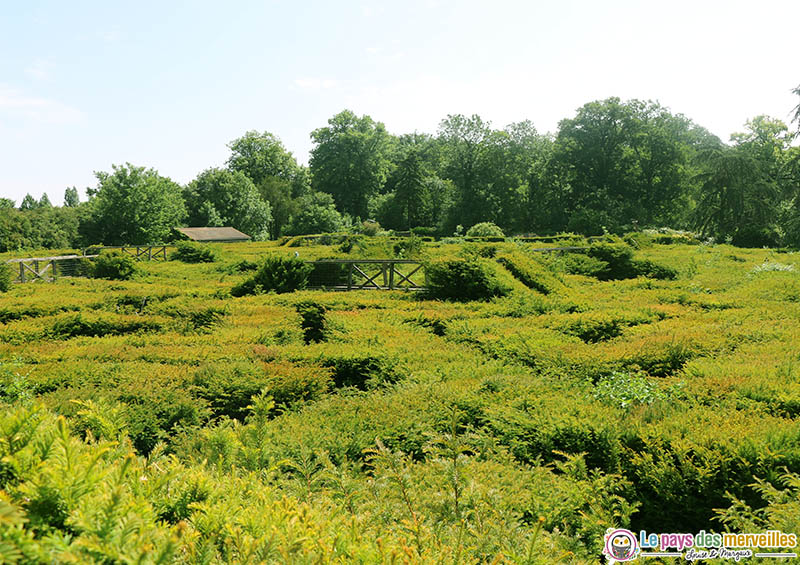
<point x="797" y="109"/>
<point x="511" y="153"/>
<point x="133" y="205"/>
<point x="489" y="170"/>
<point x="736" y="199"/>
<point x="350" y="161"/>
<point x="71" y="198"/>
<point x="766" y="142"/>
<point x="219" y="196"/>
<point x="410" y="190"/>
<point x="278" y="192"/>
<point x="261" y="155"/>
<point x="28" y="203"/>
<point x="316" y="213"/>
<point x="44" y="201"/>
<point x="464" y="144"/>
<point x="39" y="228"/>
<point x="624" y="163"/>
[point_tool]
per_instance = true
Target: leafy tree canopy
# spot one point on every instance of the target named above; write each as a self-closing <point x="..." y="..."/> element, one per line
<point x="133" y="205"/>
<point x="71" y="199"/>
<point x="317" y="214"/>
<point x="350" y="160"/>
<point x="221" y="197"/>
<point x="28" y="203"/>
<point x="260" y="156"/>
<point x="628" y="159"/>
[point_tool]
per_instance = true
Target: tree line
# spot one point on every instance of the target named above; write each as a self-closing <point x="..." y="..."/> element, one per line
<point x="615" y="166"/>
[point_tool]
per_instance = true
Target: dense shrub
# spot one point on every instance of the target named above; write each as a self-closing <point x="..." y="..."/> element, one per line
<point x="436" y="326"/>
<point x="188" y="252"/>
<point x="408" y="248"/>
<point x="78" y="325"/>
<point x="327" y="274"/>
<point x="154" y="414"/>
<point x="485" y="229"/>
<point x="463" y="280"/>
<point x="114" y="265"/>
<point x="590" y="328"/>
<point x="613" y="261"/>
<point x="5" y="277"/>
<point x="313" y="322"/>
<point x="580" y="264"/>
<point x="202" y="319"/>
<point x="230" y="387"/>
<point x="425" y="231"/>
<point x="754" y="236"/>
<point x="242" y="266"/>
<point x="618" y="258"/>
<point x="360" y="370"/>
<point x="664" y="236"/>
<point x="350" y="242"/>
<point x="289" y="385"/>
<point x="276" y="274"/>
<point x="530" y="272"/>
<point x="487" y="251"/>
<point x="649" y="269"/>
<point x="561" y="408"/>
<point x="369" y="228"/>
<point x="665" y="359"/>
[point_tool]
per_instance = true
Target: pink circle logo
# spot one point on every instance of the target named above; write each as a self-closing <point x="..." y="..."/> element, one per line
<point x="621" y="545"/>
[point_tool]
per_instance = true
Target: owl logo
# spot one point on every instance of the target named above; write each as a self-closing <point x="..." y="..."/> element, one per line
<point x="621" y="545"/>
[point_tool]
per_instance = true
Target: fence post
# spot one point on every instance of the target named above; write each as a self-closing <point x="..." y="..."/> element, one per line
<point x="21" y="271"/>
<point x="54" y="262"/>
<point x="391" y="276"/>
<point x="350" y="276"/>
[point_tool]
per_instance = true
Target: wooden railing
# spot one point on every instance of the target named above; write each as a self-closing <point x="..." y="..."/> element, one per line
<point x="46" y="268"/>
<point x="31" y="269"/>
<point x="138" y="252"/>
<point x="366" y="274"/>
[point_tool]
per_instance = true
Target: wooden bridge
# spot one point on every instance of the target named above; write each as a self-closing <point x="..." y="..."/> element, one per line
<point x="366" y="274"/>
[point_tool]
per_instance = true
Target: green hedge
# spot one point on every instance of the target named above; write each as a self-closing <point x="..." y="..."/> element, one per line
<point x="114" y="265"/>
<point x="276" y="274"/>
<point x="464" y="280"/>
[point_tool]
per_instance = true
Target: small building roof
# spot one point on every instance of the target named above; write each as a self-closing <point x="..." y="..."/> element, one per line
<point x="214" y="234"/>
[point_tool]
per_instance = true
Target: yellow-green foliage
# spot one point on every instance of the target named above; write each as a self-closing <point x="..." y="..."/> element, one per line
<point x="5" y="276"/>
<point x="530" y="272"/>
<point x="159" y="419"/>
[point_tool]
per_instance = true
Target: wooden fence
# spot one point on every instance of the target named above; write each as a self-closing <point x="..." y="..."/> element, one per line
<point x="46" y="268"/>
<point x="139" y="252"/>
<point x="328" y="274"/>
<point x="49" y="268"/>
<point x="366" y="274"/>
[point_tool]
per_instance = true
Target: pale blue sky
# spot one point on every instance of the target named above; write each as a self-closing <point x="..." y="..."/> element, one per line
<point x="169" y="84"/>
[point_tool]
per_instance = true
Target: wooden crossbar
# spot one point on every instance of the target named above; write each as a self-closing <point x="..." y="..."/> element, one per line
<point x="139" y="252"/>
<point x="387" y="277"/>
<point x="368" y="280"/>
<point x="406" y="278"/>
